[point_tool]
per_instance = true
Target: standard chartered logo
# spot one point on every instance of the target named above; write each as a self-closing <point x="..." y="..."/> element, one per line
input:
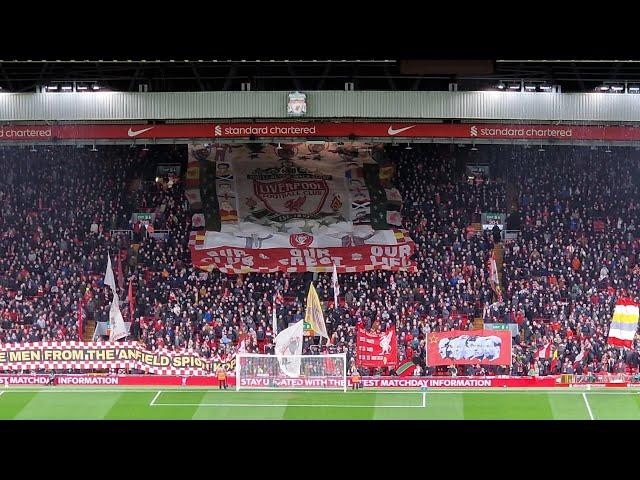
<point x="474" y="131"/>
<point x="217" y="131"/>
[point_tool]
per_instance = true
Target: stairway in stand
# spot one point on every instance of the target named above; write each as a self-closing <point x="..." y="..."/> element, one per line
<point x="512" y="199"/>
<point x="134" y="185"/>
<point x="498" y="251"/>
<point x="478" y="323"/>
<point x="88" y="328"/>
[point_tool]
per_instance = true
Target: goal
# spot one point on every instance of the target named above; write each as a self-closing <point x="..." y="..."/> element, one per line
<point x="302" y="372"/>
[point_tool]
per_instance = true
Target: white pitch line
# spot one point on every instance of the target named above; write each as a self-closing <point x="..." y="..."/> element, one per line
<point x="1" y="392"/>
<point x="278" y="405"/>
<point x="155" y="398"/>
<point x="431" y="391"/>
<point x="424" y="399"/>
<point x="586" y="402"/>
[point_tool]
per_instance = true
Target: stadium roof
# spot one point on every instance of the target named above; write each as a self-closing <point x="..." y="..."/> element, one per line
<point x="321" y="74"/>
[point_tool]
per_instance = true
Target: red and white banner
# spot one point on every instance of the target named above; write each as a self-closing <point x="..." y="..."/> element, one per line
<point x="311" y="129"/>
<point x="296" y="209"/>
<point x="469" y="347"/>
<point x="377" y="350"/>
<point x="105" y="355"/>
<point x="347" y="259"/>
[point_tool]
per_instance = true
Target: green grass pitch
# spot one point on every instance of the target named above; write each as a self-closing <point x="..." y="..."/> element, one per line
<point x="208" y="404"/>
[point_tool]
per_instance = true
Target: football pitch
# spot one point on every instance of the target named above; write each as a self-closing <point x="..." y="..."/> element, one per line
<point x="126" y="403"/>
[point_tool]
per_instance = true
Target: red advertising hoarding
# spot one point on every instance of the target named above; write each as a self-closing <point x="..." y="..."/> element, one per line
<point x="35" y="381"/>
<point x="221" y="131"/>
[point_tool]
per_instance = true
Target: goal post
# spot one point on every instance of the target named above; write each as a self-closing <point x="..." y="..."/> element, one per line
<point x="316" y="372"/>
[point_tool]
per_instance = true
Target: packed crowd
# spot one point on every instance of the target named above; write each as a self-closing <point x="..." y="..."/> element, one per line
<point x="576" y="252"/>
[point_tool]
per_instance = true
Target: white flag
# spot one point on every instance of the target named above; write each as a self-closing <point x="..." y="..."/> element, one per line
<point x="108" y="276"/>
<point x="116" y="322"/>
<point x="289" y="348"/>
<point x="336" y="287"/>
<point x="274" y="318"/>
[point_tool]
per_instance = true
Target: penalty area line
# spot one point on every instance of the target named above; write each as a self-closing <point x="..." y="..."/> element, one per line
<point x="279" y="405"/>
<point x="153" y="402"/>
<point x="586" y="402"/>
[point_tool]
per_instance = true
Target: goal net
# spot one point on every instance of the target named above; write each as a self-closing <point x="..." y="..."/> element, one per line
<point x="304" y="372"/>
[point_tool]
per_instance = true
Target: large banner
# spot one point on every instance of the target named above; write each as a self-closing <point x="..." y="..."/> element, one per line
<point x="316" y="129"/>
<point x="377" y="350"/>
<point x="295" y="208"/>
<point x="469" y="347"/>
<point x="232" y="259"/>
<point x="105" y="355"/>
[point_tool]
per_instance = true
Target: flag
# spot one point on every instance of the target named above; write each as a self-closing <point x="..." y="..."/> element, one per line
<point x="406" y="369"/>
<point x="554" y="362"/>
<point x="314" y="316"/>
<point x="624" y="323"/>
<point x="336" y="287"/>
<point x="102" y="328"/>
<point x="131" y="301"/>
<point x="493" y="271"/>
<point x="578" y="359"/>
<point x="116" y="322"/>
<point x="545" y="351"/>
<point x="80" y="319"/>
<point x="274" y="318"/>
<point x="288" y="349"/>
<point x="242" y="346"/>
<point x="119" y="269"/>
<point x="108" y="276"/>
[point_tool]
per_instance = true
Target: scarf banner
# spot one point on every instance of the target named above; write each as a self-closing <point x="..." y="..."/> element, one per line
<point x="103" y="356"/>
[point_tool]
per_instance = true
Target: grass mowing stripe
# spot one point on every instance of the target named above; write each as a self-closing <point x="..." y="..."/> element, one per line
<point x="614" y="407"/>
<point x="509" y="407"/>
<point x="73" y="406"/>
<point x="12" y="405"/>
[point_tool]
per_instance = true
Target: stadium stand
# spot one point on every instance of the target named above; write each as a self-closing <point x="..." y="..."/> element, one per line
<point x="64" y="208"/>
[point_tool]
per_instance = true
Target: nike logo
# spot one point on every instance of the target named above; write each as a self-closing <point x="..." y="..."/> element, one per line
<point x="391" y="131"/>
<point x="135" y="133"/>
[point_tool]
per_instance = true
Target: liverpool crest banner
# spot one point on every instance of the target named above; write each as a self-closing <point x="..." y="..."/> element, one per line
<point x="259" y="207"/>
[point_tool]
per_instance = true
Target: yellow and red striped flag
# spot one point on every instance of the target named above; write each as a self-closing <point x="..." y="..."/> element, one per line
<point x="624" y="323"/>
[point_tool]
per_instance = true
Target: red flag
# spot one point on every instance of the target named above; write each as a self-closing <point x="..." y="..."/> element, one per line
<point x="80" y="320"/>
<point x="377" y="349"/>
<point x="131" y="301"/>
